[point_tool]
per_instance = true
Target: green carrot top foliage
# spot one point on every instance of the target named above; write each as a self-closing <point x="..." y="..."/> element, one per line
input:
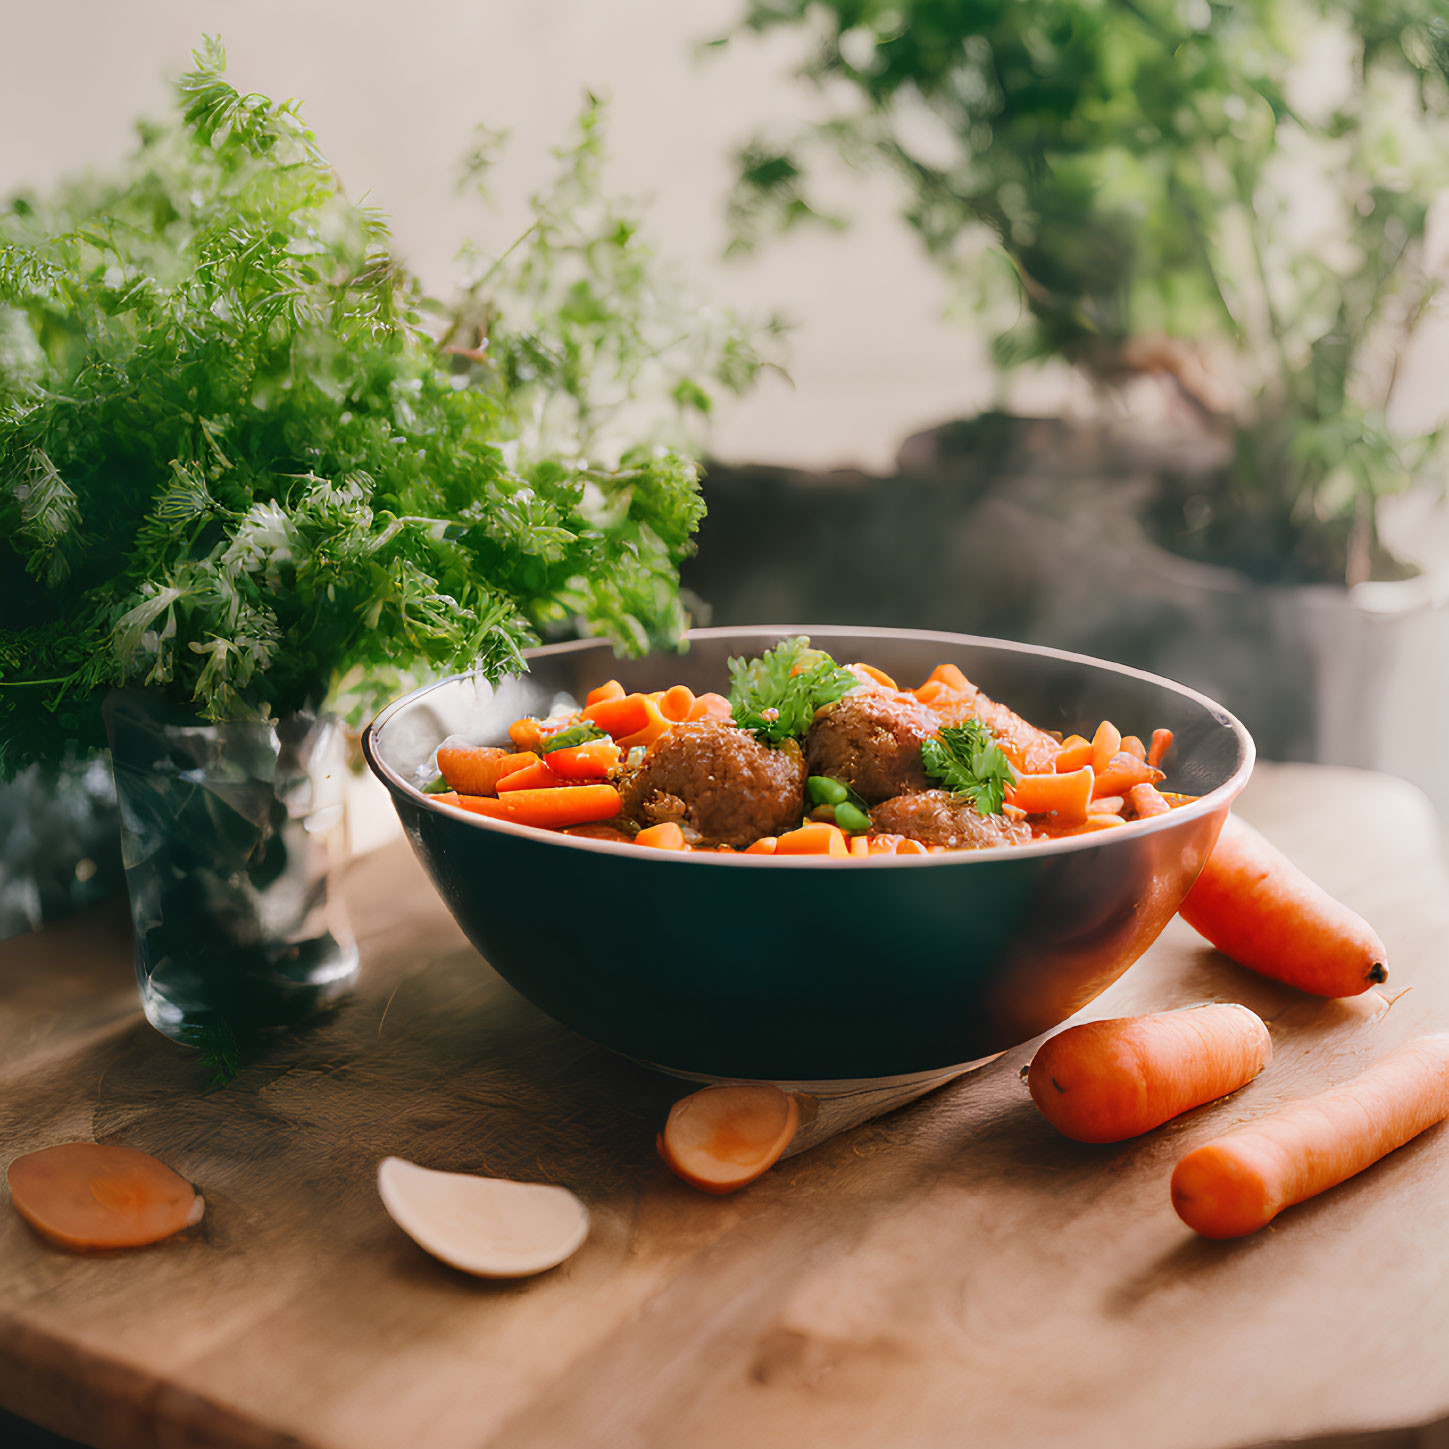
<point x="236" y="467"/>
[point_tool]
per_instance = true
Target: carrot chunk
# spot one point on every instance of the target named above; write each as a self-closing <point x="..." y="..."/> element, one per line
<point x="610" y="689"/>
<point x="879" y="676"/>
<point x="711" y="706"/>
<point x="551" y="809"/>
<point x="526" y="733"/>
<point x="1122" y="772"/>
<point x="537" y="776"/>
<point x="476" y="770"/>
<point x="1256" y="906"/>
<point x="1133" y="746"/>
<point x="677" y="703"/>
<point x="665" y="836"/>
<point x="723" y="1138"/>
<point x="87" y="1196"/>
<point x="591" y="760"/>
<point x="1105" y="1081"/>
<point x="1105" y="743"/>
<point x="1239" y="1182"/>
<point x="1161" y="743"/>
<point x="765" y="845"/>
<point x="622" y="716"/>
<point x="1147" y="801"/>
<point x="1065" y="796"/>
<point x="1074" y="753"/>
<point x="817" y="838"/>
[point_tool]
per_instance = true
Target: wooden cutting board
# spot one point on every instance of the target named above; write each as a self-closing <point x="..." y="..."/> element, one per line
<point x="952" y="1274"/>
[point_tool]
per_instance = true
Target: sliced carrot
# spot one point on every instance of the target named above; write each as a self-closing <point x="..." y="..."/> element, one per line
<point x="878" y="675"/>
<point x="1105" y="743"/>
<point x="551" y="809"/>
<point x="1065" y="796"/>
<point x="1122" y="772"/>
<point x="765" y="845"/>
<point x="950" y="677"/>
<point x="526" y="733"/>
<point x="1256" y="906"/>
<point x="537" y="776"/>
<point x="711" y="706"/>
<point x="1239" y="1182"/>
<point x="1105" y="1081"/>
<point x="723" y="1138"/>
<point x="1161" y="743"/>
<point x="476" y="769"/>
<point x="664" y="836"/>
<point x="933" y="692"/>
<point x="1074" y="753"/>
<point x="1107" y="805"/>
<point x="622" y="716"/>
<point x="816" y="838"/>
<point x="907" y="846"/>
<point x="87" y="1196"/>
<point x="859" y="845"/>
<point x="1132" y="745"/>
<point x="676" y="704"/>
<point x="591" y="760"/>
<point x="610" y="689"/>
<point x="1147" y="801"/>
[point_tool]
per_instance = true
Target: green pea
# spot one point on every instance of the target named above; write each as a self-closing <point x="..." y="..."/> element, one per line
<point x="822" y="790"/>
<point x="847" y="817"/>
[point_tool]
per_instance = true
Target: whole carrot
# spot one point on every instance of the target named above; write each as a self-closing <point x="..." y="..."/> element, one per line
<point x="1256" y="906"/>
<point x="1105" y="1081"/>
<point x="1239" y="1182"/>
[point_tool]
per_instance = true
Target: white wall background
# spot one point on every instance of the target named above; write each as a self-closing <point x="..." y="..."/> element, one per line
<point x="393" y="92"/>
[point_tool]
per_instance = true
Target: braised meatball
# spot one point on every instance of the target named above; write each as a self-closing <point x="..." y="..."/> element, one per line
<point x="719" y="781"/>
<point x="937" y="817"/>
<point x="873" y="743"/>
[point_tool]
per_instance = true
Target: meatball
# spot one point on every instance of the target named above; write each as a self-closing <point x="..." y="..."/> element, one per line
<point x="873" y="743"/>
<point x="937" y="817"/>
<point x="719" y="781"/>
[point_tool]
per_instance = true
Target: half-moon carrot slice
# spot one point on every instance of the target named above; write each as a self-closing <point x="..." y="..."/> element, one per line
<point x="723" y="1138"/>
<point x="88" y="1196"/>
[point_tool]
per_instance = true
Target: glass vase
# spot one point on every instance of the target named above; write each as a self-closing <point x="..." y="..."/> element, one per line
<point x="231" y="835"/>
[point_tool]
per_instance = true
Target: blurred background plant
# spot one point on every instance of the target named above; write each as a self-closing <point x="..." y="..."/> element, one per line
<point x="1138" y="187"/>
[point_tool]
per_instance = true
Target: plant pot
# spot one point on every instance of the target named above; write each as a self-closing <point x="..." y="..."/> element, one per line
<point x="230" y="835"/>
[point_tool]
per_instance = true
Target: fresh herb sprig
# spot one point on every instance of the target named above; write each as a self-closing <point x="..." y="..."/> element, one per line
<point x="776" y="695"/>
<point x="966" y="760"/>
<point x="238" y="469"/>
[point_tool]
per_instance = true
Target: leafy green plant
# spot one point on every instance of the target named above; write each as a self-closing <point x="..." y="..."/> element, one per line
<point x="966" y="760"/>
<point x="1133" y="186"/>
<point x="238" y="467"/>
<point x="776" y="695"/>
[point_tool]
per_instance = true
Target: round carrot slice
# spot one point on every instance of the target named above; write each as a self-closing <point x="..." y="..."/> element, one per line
<point x="86" y="1196"/>
<point x="723" y="1138"/>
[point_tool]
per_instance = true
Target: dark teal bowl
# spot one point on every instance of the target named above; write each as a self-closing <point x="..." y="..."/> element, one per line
<point x="809" y="969"/>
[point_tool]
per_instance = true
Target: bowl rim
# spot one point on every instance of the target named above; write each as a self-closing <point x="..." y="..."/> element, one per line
<point x="1204" y="805"/>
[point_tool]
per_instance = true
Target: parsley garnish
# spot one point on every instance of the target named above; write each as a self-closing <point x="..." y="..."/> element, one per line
<point x="966" y="759"/>
<point x="776" y="695"/>
<point x="575" y="734"/>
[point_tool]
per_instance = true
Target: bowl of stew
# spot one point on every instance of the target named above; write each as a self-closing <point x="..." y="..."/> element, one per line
<point x="953" y="924"/>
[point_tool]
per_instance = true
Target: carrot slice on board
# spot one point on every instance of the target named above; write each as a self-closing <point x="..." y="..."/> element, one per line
<point x="88" y="1196"/>
<point x="723" y="1138"/>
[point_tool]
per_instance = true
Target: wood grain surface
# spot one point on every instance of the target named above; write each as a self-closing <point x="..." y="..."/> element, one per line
<point x="952" y="1274"/>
